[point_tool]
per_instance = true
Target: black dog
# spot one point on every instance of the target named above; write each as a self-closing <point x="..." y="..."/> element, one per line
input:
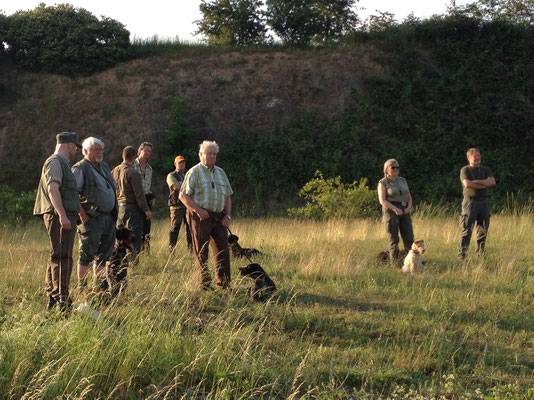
<point x="238" y="251"/>
<point x="263" y="286"/>
<point x="117" y="268"/>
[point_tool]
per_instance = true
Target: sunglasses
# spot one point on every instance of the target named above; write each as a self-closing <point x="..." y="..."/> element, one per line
<point x="397" y="167"/>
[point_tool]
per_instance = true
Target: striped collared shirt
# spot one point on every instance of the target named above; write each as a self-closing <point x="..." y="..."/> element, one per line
<point x="208" y="188"/>
<point x="146" y="176"/>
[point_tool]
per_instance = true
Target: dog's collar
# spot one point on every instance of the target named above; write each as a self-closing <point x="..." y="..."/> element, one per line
<point x="415" y="251"/>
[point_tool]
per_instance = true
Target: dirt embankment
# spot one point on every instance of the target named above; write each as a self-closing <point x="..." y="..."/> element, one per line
<point x="228" y="92"/>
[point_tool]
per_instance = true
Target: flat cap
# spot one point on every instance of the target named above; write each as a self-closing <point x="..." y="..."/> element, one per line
<point x="67" y="137"/>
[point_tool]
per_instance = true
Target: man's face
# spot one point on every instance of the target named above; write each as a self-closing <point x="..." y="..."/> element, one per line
<point x="72" y="150"/>
<point x="208" y="157"/>
<point x="146" y="152"/>
<point x="95" y="154"/>
<point x="474" y="158"/>
<point x="180" y="165"/>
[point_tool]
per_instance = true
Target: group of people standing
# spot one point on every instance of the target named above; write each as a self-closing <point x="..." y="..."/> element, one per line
<point x="396" y="200"/>
<point x="93" y="200"/>
<point x="96" y="200"/>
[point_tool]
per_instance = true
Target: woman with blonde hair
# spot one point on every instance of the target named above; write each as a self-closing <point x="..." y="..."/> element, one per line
<point x="396" y="201"/>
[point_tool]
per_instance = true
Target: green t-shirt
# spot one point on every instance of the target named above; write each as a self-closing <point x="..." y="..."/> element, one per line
<point x="473" y="174"/>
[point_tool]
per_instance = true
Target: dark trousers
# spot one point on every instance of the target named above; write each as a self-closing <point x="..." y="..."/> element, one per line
<point x="147" y="224"/>
<point x="177" y="218"/>
<point x="131" y="216"/>
<point x="59" y="267"/>
<point x="394" y="224"/>
<point x="210" y="231"/>
<point x="474" y="211"/>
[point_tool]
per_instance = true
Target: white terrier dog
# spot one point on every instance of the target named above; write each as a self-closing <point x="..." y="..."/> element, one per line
<point x="414" y="260"/>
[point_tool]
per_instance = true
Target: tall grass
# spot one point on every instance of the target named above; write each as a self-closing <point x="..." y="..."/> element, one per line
<point x="342" y="325"/>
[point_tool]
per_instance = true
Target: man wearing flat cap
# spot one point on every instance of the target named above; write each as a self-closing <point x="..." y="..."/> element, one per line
<point x="176" y="207"/>
<point x="57" y="202"/>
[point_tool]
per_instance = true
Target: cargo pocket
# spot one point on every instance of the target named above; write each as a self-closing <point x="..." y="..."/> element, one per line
<point x="83" y="229"/>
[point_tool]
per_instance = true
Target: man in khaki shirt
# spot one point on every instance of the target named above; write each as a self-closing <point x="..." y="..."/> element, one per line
<point x="57" y="203"/>
<point x="133" y="207"/>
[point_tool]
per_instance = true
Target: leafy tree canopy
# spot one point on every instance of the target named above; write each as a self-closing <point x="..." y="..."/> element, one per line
<point x="66" y="40"/>
<point x="518" y="11"/>
<point x="232" y="22"/>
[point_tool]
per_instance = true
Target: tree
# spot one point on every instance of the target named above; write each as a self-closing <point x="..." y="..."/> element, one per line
<point x="300" y="22"/>
<point x="296" y="22"/>
<point x="336" y="18"/>
<point x="518" y="11"/>
<point x="66" y="40"/>
<point x="381" y="21"/>
<point x="232" y="22"/>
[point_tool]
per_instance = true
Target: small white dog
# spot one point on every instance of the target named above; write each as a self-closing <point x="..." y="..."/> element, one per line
<point x="414" y="260"/>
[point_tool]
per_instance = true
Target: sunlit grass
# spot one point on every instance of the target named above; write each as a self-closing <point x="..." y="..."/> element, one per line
<point x="342" y="325"/>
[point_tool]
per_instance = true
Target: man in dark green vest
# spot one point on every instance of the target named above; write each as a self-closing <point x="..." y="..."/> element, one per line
<point x="98" y="212"/>
<point x="57" y="202"/>
<point x="176" y="207"/>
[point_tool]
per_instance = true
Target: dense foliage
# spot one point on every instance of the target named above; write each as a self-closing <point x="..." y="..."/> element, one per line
<point x="15" y="206"/>
<point x="63" y="39"/>
<point x="326" y="198"/>
<point x="232" y="22"/>
<point x="448" y="84"/>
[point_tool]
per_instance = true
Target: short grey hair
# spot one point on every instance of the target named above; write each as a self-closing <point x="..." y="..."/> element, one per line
<point x="206" y="144"/>
<point x="390" y="163"/>
<point x="90" y="142"/>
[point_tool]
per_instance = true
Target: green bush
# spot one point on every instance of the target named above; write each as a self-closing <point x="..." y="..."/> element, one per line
<point x="15" y="205"/>
<point x="65" y="40"/>
<point x="327" y="198"/>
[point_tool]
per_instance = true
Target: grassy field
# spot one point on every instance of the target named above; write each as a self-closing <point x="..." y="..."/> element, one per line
<point x="341" y="325"/>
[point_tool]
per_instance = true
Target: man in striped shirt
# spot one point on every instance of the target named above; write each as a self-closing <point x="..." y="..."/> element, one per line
<point x="206" y="193"/>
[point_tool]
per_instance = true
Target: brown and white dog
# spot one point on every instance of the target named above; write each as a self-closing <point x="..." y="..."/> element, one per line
<point x="413" y="263"/>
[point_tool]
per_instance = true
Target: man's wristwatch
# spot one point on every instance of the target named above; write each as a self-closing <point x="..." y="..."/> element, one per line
<point x="228" y="216"/>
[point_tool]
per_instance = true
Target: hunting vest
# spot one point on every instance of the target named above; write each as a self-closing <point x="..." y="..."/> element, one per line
<point x="89" y="193"/>
<point x="174" y="197"/>
<point x="67" y="189"/>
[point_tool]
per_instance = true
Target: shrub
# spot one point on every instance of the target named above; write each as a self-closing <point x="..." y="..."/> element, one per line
<point x="65" y="40"/>
<point x="331" y="198"/>
<point x="14" y="205"/>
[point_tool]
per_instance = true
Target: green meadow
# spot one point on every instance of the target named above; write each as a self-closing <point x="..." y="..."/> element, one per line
<point x="342" y="325"/>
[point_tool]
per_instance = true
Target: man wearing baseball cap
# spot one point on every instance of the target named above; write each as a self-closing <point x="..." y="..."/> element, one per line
<point x="57" y="202"/>
<point x="176" y="207"/>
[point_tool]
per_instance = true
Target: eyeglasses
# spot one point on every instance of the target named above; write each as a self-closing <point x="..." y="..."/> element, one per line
<point x="397" y="167"/>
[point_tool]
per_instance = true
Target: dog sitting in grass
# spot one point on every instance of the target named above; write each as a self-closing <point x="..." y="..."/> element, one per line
<point x="413" y="263"/>
<point x="263" y="286"/>
<point x="117" y="267"/>
<point x="384" y="255"/>
<point x="237" y="250"/>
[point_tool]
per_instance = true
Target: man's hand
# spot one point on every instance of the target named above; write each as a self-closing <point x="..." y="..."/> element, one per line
<point x="203" y="214"/>
<point x="65" y="223"/>
<point x="148" y="215"/>
<point x="225" y="221"/>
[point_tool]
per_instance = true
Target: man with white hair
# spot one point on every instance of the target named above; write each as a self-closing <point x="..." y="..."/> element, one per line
<point x="98" y="212"/>
<point x="206" y="193"/>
